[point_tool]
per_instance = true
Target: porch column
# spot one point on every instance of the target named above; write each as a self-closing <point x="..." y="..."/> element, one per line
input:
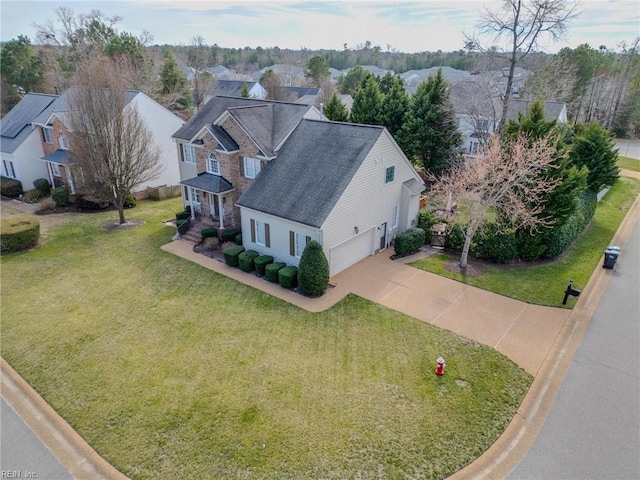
<point x="192" y="192"/>
<point x="50" y="172"/>
<point x="220" y="209"/>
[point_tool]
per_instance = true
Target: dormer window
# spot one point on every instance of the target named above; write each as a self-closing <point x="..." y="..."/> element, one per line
<point x="213" y="166"/>
<point x="64" y="143"/>
<point x="47" y="134"/>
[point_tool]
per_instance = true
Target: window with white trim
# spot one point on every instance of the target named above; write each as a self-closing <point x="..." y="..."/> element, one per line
<point x="55" y="169"/>
<point x="47" y="134"/>
<point x="251" y="167"/>
<point x="188" y="153"/>
<point x="261" y="237"/>
<point x="396" y="212"/>
<point x="64" y="143"/>
<point x="390" y="174"/>
<point x="300" y="244"/>
<point x="213" y="166"/>
<point x="9" y="171"/>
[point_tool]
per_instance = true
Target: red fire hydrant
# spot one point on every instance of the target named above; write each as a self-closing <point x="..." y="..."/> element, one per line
<point x="441" y="365"/>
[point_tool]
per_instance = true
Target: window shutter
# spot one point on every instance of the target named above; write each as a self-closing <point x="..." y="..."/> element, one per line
<point x="307" y="240"/>
<point x="242" y="166"/>
<point x="267" y="239"/>
<point x="253" y="230"/>
<point x="292" y="243"/>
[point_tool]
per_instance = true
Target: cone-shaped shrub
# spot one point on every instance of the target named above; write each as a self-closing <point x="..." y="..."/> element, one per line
<point x="313" y="270"/>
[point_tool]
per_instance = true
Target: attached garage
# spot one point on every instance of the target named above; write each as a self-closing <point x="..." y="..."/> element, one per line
<point x="352" y="251"/>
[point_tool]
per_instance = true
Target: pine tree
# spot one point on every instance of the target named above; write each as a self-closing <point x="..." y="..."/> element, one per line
<point x="335" y="110"/>
<point x="171" y="77"/>
<point x="367" y="103"/>
<point x="394" y="106"/>
<point x="594" y="149"/>
<point x="244" y="93"/>
<point x="430" y="134"/>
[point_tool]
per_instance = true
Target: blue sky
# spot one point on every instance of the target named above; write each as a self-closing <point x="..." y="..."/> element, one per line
<point x="428" y="25"/>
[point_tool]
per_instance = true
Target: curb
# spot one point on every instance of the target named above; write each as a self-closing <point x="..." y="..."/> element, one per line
<point x="73" y="452"/>
<point x="519" y="436"/>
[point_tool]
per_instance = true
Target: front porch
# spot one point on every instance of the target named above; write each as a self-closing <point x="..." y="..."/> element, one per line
<point x="210" y="199"/>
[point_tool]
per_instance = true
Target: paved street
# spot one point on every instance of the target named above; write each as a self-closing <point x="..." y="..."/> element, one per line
<point x="593" y="430"/>
<point x="628" y="148"/>
<point x="22" y="454"/>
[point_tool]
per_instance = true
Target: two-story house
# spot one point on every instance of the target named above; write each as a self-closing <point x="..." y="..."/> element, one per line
<point x="54" y="124"/>
<point x="284" y="175"/>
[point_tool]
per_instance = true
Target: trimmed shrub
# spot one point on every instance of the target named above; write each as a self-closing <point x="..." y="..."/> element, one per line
<point x="43" y="186"/>
<point x="183" y="215"/>
<point x="183" y="226"/>
<point x="239" y="239"/>
<point x="89" y="202"/>
<point x="32" y="196"/>
<point x="210" y="232"/>
<point x="129" y="201"/>
<point x="271" y="271"/>
<point x="494" y="245"/>
<point x="313" y="270"/>
<point x="455" y="239"/>
<point x="261" y="263"/>
<point x="561" y="237"/>
<point x="288" y="277"/>
<point x="61" y="196"/>
<point x="245" y="259"/>
<point x="530" y="246"/>
<point x="19" y="233"/>
<point x="229" y="235"/>
<point x="10" y="187"/>
<point x="410" y="241"/>
<point x="231" y="255"/>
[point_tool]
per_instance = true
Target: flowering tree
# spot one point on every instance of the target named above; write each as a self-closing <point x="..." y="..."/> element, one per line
<point x="505" y="178"/>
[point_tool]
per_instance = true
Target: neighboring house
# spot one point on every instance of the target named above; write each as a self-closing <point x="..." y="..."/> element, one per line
<point x="376" y="71"/>
<point x="233" y="88"/>
<point x="54" y="125"/>
<point x="20" y="142"/>
<point x="285" y="176"/>
<point x="552" y="110"/>
<point x="289" y="74"/>
<point x="304" y="95"/>
<point x="413" y="78"/>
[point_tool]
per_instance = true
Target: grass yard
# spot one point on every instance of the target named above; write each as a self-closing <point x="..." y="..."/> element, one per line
<point x="544" y="284"/>
<point x="170" y="370"/>
<point x="629" y="163"/>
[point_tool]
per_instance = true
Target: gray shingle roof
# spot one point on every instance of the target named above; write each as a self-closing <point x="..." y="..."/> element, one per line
<point x="552" y="110"/>
<point x="231" y="88"/>
<point x="312" y="170"/>
<point x="15" y="126"/>
<point x="274" y="123"/>
<point x="228" y="143"/>
<point x="209" y="183"/>
<point x="295" y="93"/>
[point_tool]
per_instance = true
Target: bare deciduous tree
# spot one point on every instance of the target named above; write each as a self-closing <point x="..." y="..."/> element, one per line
<point x="110" y="142"/>
<point x="505" y="178"/>
<point x="523" y="24"/>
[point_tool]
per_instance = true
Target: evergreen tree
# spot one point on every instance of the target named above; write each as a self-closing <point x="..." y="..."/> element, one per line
<point x="171" y="77"/>
<point x="313" y="270"/>
<point x="430" y="135"/>
<point x="593" y="148"/>
<point x="353" y="79"/>
<point x="394" y="106"/>
<point x="244" y="93"/>
<point x="335" y="110"/>
<point x="317" y="70"/>
<point x="367" y="103"/>
<point x="20" y="64"/>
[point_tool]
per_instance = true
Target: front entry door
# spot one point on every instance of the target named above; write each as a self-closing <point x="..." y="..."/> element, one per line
<point x="383" y="236"/>
<point x="214" y="206"/>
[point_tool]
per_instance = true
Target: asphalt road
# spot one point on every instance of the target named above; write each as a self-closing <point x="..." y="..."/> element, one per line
<point x="593" y="429"/>
<point x="628" y="148"/>
<point x="22" y="454"/>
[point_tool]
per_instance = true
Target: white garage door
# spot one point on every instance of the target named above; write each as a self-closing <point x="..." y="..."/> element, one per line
<point x="351" y="251"/>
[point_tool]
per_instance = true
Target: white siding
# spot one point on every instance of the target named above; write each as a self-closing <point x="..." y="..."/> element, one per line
<point x="279" y="235"/>
<point x="26" y="161"/>
<point x="162" y="124"/>
<point x="368" y="201"/>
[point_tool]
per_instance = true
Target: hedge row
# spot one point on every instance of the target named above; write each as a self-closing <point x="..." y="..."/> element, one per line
<point x="250" y="260"/>
<point x="19" y="233"/>
<point x="10" y="187"/>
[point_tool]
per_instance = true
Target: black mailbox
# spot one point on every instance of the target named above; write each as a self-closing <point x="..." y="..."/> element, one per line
<point x="570" y="291"/>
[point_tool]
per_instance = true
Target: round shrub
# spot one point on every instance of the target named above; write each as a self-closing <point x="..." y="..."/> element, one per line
<point x="261" y="263"/>
<point x="43" y="186"/>
<point x="183" y="215"/>
<point x="210" y="232"/>
<point x="288" y="276"/>
<point x="494" y="245"/>
<point x="239" y="239"/>
<point x="231" y="255"/>
<point x="229" y="235"/>
<point x="10" y="187"/>
<point x="183" y="226"/>
<point x="60" y="195"/>
<point x="19" y="233"/>
<point x="313" y="270"/>
<point x="129" y="201"/>
<point x="271" y="271"/>
<point x="455" y="239"/>
<point x="245" y="260"/>
<point x="410" y="241"/>
<point x="32" y="196"/>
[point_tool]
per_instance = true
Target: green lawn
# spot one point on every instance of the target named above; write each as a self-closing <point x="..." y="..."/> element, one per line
<point x="545" y="284"/>
<point x="629" y="163"/>
<point x="170" y="370"/>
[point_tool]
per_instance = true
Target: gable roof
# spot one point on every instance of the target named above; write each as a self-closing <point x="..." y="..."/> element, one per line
<point x="268" y="122"/>
<point x="231" y="88"/>
<point x="62" y="105"/>
<point x="15" y="126"/>
<point x="295" y="93"/>
<point x="552" y="110"/>
<point x="313" y="169"/>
